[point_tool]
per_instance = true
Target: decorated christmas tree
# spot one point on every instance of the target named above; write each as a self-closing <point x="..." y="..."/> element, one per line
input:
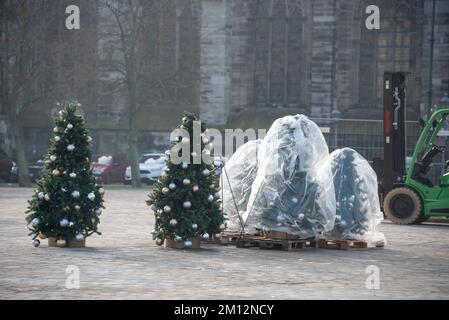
<point x="67" y="203"/>
<point x="185" y="200"/>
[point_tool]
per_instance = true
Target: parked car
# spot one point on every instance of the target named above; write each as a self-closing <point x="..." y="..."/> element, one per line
<point x="108" y="168"/>
<point x="36" y="170"/>
<point x="151" y="167"/>
<point x="6" y="165"/>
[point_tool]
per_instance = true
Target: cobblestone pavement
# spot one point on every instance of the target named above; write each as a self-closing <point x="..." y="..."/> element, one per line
<point x="124" y="263"/>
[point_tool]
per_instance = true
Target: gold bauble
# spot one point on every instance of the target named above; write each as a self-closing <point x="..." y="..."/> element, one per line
<point x="165" y="190"/>
<point x="101" y="191"/>
<point x="173" y="222"/>
<point x="159" y="241"/>
<point x="195" y="188"/>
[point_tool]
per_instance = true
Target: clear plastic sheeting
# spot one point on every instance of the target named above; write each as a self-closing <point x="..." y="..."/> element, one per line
<point x="357" y="203"/>
<point x="241" y="170"/>
<point x="293" y="190"/>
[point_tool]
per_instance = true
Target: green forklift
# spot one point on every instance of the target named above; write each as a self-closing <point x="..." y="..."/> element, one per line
<point x="409" y="196"/>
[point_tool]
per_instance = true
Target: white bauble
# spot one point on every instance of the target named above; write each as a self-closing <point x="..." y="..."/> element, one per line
<point x="210" y="198"/>
<point x="47" y="197"/>
<point x="217" y="195"/>
<point x="64" y="223"/>
<point x="98" y="211"/>
<point x="69" y="126"/>
<point x="101" y="191"/>
<point x="187" y="205"/>
<point x="53" y="158"/>
<point x="194" y="226"/>
<point x="79" y="237"/>
<point x="76" y="194"/>
<point x="72" y="175"/>
<point x="205" y="172"/>
<point x="55" y="129"/>
<point x="172" y="186"/>
<point x="55" y="173"/>
<point x="70" y="147"/>
<point x="187" y="243"/>
<point x="41" y="195"/>
<point x="57" y="138"/>
<point x="77" y="207"/>
<point x="301" y="216"/>
<point x="173" y="222"/>
<point x="184" y="165"/>
<point x="186" y="182"/>
<point x="71" y="224"/>
<point x="91" y="196"/>
<point x="206" y="236"/>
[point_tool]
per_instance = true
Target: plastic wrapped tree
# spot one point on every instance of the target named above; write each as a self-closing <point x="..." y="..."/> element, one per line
<point x="185" y="200"/>
<point x="67" y="202"/>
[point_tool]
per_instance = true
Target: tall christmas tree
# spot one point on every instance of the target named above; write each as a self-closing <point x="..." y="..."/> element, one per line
<point x="185" y="200"/>
<point x="68" y="202"/>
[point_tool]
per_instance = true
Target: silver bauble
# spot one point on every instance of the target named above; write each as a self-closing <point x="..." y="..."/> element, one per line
<point x="71" y="224"/>
<point x="98" y="211"/>
<point x="69" y="126"/>
<point x="64" y="223"/>
<point x="206" y="236"/>
<point x="184" y="165"/>
<point x="165" y="190"/>
<point x="36" y="242"/>
<point x="205" y="172"/>
<point x="35" y="222"/>
<point x="72" y="175"/>
<point x="91" y="196"/>
<point x="173" y="222"/>
<point x="53" y="158"/>
<point x="76" y="194"/>
<point x="187" y="205"/>
<point x="41" y="195"/>
<point x="187" y="244"/>
<point x="167" y="209"/>
<point x="217" y="195"/>
<point x="186" y="182"/>
<point x="70" y="147"/>
<point x="194" y="226"/>
<point x="77" y="208"/>
<point x="301" y="216"/>
<point x="210" y="198"/>
<point x="79" y="237"/>
<point x="172" y="186"/>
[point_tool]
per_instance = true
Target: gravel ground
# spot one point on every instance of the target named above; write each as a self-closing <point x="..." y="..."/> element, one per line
<point x="124" y="263"/>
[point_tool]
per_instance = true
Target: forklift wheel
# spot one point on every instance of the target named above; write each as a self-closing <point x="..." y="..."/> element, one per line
<point x="403" y="206"/>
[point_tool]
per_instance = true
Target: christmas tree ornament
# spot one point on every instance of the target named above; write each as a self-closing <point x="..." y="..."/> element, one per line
<point x="178" y="238"/>
<point x="195" y="188"/>
<point x="165" y="190"/>
<point x="65" y="209"/>
<point x="57" y="138"/>
<point x="69" y="126"/>
<point x="172" y="186"/>
<point x="173" y="222"/>
<point x="72" y="175"/>
<point x="159" y="211"/>
<point x="295" y="200"/>
<point x="35" y="222"/>
<point x="185" y="119"/>
<point x="79" y="237"/>
<point x="47" y="197"/>
<point x="205" y="172"/>
<point x="194" y="226"/>
<point x="301" y="216"/>
<point x="53" y="158"/>
<point x="187" y="205"/>
<point x="55" y="173"/>
<point x="64" y="223"/>
<point x="222" y="226"/>
<point x="55" y="130"/>
<point x="70" y="147"/>
<point x="217" y="195"/>
<point x="184" y="165"/>
<point x="183" y="127"/>
<point x="77" y="207"/>
<point x="159" y="241"/>
<point x="36" y="242"/>
<point x="63" y="189"/>
<point x="210" y="198"/>
<point x="206" y="236"/>
<point x="93" y="221"/>
<point x="186" y="182"/>
<point x="89" y="139"/>
<point x="148" y="202"/>
<point x="41" y="195"/>
<point x="205" y="141"/>
<point x="98" y="211"/>
<point x="61" y="113"/>
<point x="101" y="191"/>
<point x="76" y="194"/>
<point x="91" y="196"/>
<point x="71" y="224"/>
<point x="42" y="236"/>
<point x="187" y="244"/>
<point x="167" y="209"/>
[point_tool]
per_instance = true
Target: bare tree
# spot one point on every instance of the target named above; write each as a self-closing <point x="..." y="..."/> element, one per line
<point x="131" y="30"/>
<point x="19" y="67"/>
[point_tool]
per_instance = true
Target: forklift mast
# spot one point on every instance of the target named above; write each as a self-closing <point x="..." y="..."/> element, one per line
<point x="394" y="92"/>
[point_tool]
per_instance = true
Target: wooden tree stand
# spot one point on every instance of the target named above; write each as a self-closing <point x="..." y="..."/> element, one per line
<point x="170" y="243"/>
<point x="53" y="242"/>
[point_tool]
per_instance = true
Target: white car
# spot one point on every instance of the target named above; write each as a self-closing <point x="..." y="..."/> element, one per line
<point x="151" y="167"/>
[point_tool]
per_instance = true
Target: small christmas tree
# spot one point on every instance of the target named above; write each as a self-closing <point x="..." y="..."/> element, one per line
<point x="186" y="198"/>
<point x="67" y="202"/>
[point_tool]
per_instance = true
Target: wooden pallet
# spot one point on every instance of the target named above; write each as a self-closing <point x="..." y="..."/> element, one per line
<point x="233" y="237"/>
<point x="346" y="244"/>
<point x="287" y="245"/>
<point x="248" y="242"/>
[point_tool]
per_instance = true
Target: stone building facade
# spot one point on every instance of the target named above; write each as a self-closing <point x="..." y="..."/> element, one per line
<point x="243" y="63"/>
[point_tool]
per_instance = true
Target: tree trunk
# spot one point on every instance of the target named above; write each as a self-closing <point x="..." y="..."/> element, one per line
<point x="133" y="152"/>
<point x="22" y="163"/>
